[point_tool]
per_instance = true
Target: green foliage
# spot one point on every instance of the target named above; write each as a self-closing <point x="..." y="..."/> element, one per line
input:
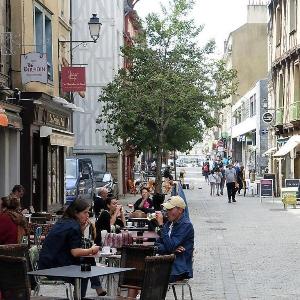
<point x="165" y="99"/>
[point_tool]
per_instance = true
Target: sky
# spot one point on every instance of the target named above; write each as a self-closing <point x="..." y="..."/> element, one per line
<point x="219" y="17"/>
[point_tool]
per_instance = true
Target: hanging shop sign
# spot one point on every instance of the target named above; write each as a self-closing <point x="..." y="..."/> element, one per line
<point x="73" y="79"/>
<point x="34" y="67"/>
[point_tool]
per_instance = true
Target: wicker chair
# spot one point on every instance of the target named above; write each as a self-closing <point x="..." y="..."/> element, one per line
<point x="133" y="256"/>
<point x="155" y="278"/>
<point x="14" y="281"/>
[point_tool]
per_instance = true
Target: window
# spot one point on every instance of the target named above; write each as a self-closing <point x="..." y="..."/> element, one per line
<point x="43" y="36"/>
<point x="293" y="15"/>
<point x="296" y="83"/>
<point x="253" y="105"/>
<point x="278" y="25"/>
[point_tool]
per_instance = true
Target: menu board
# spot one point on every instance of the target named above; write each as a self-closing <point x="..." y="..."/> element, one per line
<point x="266" y="188"/>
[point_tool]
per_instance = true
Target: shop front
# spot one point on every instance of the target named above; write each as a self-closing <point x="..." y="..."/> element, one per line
<point x="10" y="128"/>
<point x="44" y="141"/>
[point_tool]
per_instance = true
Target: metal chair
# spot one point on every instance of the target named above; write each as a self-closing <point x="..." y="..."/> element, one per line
<point x="14" y="281"/>
<point x="34" y="257"/>
<point x="182" y="284"/>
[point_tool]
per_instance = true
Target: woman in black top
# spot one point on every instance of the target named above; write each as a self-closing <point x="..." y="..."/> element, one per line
<point x="112" y="215"/>
<point x="62" y="245"/>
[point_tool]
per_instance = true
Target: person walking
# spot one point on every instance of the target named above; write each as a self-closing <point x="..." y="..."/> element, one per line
<point x="219" y="176"/>
<point x="222" y="183"/>
<point x="212" y="179"/>
<point x="230" y="175"/>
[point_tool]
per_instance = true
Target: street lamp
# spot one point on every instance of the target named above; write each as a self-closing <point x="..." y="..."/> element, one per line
<point x="94" y="27"/>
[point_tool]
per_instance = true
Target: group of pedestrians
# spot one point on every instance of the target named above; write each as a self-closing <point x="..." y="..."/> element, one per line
<point x="217" y="174"/>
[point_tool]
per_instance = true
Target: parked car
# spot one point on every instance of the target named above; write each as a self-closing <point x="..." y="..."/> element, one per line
<point x="105" y="179"/>
<point x="79" y="179"/>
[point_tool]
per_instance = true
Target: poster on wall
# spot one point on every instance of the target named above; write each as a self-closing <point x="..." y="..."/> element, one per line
<point x="34" y="67"/>
<point x="73" y="79"/>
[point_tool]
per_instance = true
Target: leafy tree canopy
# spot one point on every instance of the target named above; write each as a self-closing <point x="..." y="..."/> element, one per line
<point x="166" y="97"/>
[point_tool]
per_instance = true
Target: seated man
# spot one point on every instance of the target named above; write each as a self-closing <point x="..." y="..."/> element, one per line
<point x="99" y="201"/>
<point x="176" y="236"/>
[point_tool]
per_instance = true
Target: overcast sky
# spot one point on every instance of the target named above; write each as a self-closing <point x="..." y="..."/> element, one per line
<point x="220" y="17"/>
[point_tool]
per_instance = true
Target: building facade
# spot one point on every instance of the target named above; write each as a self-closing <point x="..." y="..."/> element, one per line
<point x="102" y="60"/>
<point x="46" y="130"/>
<point x="250" y="38"/>
<point x="284" y="88"/>
<point x="10" y="120"/>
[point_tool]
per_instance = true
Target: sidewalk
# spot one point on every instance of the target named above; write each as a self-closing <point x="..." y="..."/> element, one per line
<point x="243" y="250"/>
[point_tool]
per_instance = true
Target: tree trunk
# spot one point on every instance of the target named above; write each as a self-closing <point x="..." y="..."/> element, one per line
<point x="158" y="178"/>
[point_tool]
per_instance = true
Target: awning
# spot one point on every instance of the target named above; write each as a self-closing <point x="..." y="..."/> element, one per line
<point x="269" y="151"/>
<point x="58" y="137"/>
<point x="288" y="146"/>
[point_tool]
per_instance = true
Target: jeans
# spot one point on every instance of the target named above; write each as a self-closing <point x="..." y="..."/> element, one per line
<point x="231" y="190"/>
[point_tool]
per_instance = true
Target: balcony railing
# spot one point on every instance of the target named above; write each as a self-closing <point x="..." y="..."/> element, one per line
<point x="295" y="111"/>
<point x="279" y="116"/>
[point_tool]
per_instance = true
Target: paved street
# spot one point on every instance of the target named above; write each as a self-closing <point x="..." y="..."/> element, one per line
<point x="243" y="250"/>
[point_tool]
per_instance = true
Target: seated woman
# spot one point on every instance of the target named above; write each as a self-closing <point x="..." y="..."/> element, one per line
<point x="112" y="215"/>
<point x="13" y="225"/>
<point x="63" y="247"/>
<point x="144" y="204"/>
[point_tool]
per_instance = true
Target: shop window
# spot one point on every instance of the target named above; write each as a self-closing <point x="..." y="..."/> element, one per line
<point x="293" y="16"/>
<point x="278" y="25"/>
<point x="253" y="105"/>
<point x="43" y="36"/>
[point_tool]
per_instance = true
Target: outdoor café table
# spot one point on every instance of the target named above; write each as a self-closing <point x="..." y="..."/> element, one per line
<point x="74" y="271"/>
<point x="141" y="222"/>
<point x="148" y="237"/>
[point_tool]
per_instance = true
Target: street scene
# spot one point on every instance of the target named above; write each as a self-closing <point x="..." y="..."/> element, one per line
<point x="149" y="149"/>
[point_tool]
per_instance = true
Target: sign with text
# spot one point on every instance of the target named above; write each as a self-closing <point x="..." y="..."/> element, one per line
<point x="293" y="183"/>
<point x="73" y="79"/>
<point x="266" y="188"/>
<point x="34" y="67"/>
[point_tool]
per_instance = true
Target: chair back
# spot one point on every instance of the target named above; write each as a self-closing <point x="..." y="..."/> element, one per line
<point x="17" y="250"/>
<point x="133" y="256"/>
<point x="156" y="277"/>
<point x="14" y="282"/>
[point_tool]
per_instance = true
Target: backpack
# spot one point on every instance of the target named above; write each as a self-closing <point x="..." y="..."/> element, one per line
<point x="205" y="168"/>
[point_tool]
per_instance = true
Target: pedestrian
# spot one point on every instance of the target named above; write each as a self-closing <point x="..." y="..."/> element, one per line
<point x="212" y="178"/>
<point x="205" y="171"/>
<point x="230" y="175"/>
<point x="241" y="180"/>
<point x="219" y="176"/>
<point x="222" y="183"/>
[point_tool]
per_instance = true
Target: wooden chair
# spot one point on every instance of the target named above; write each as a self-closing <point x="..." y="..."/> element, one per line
<point x="155" y="279"/>
<point x="14" y="281"/>
<point x="133" y="256"/>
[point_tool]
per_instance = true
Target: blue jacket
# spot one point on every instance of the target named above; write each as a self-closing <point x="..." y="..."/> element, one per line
<point x="182" y="235"/>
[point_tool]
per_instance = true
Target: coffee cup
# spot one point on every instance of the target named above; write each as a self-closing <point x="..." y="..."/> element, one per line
<point x="106" y="249"/>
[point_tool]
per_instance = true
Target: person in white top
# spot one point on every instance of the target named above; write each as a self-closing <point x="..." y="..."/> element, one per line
<point x="218" y="176"/>
<point x="212" y="179"/>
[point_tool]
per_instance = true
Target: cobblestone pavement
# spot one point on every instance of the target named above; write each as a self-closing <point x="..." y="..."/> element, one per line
<point x="243" y="250"/>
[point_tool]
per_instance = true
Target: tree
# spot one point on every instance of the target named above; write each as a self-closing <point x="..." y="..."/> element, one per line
<point x="166" y="98"/>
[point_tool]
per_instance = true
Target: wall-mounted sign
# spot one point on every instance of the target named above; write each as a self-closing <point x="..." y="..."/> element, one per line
<point x="34" y="67"/>
<point x="267" y="117"/>
<point x="73" y="79"/>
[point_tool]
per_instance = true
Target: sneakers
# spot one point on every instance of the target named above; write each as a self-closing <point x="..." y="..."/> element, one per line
<point x="233" y="200"/>
<point x="229" y="201"/>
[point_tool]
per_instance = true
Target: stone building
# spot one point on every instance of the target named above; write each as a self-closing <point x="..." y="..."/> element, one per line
<point x="284" y="88"/>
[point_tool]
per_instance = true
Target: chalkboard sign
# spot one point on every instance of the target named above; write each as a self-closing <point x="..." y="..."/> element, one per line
<point x="266" y="188"/>
<point x="273" y="177"/>
<point x="292" y="182"/>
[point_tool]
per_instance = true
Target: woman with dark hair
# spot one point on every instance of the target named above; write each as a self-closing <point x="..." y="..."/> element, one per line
<point x="13" y="225"/>
<point x="144" y="204"/>
<point x="63" y="247"/>
<point x="112" y="215"/>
